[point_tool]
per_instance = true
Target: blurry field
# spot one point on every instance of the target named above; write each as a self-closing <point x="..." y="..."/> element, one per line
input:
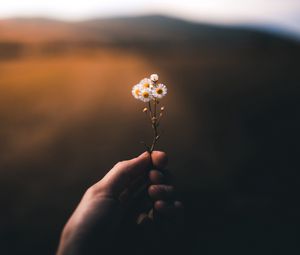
<point x="231" y="130"/>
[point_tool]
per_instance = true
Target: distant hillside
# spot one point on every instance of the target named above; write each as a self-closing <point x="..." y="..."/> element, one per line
<point x="22" y="36"/>
<point x="152" y="29"/>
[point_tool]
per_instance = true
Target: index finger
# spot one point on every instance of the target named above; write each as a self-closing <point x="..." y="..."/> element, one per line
<point x="159" y="160"/>
<point x="123" y="173"/>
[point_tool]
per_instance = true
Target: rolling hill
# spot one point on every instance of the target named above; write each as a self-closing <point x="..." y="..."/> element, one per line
<point x="130" y="30"/>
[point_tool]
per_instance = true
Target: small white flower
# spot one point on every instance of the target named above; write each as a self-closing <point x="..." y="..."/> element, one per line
<point x="146" y="95"/>
<point x="160" y="91"/>
<point x="154" y="77"/>
<point x="146" y="83"/>
<point x="136" y="91"/>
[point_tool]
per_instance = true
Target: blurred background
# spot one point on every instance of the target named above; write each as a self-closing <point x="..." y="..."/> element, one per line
<point x="231" y="128"/>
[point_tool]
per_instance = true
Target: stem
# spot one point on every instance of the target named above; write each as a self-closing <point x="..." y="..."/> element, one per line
<point x="155" y="103"/>
<point x="154" y="123"/>
<point x="150" y="110"/>
<point x="154" y="127"/>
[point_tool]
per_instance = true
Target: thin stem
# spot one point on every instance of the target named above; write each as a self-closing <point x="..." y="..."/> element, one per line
<point x="154" y="127"/>
<point x="154" y="122"/>
<point x="150" y="109"/>
<point x="155" y="103"/>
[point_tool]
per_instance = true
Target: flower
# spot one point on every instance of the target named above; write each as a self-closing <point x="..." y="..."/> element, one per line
<point x="146" y="95"/>
<point x="136" y="91"/>
<point x="160" y="91"/>
<point x="146" y="83"/>
<point x="149" y="91"/>
<point x="154" y="77"/>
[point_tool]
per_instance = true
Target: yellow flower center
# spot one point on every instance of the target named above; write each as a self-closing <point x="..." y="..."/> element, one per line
<point x="145" y="94"/>
<point x="137" y="92"/>
<point x="146" y="85"/>
<point x="159" y="91"/>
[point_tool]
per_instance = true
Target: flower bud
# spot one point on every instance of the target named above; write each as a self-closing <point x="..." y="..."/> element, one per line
<point x="145" y="109"/>
<point x="154" y="77"/>
<point x="162" y="108"/>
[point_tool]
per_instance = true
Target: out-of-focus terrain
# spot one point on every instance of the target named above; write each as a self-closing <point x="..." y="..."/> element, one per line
<point x="231" y="128"/>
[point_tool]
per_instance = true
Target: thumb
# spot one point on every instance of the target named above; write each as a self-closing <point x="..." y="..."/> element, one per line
<point x="124" y="172"/>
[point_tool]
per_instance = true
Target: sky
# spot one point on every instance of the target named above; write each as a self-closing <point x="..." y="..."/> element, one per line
<point x="280" y="14"/>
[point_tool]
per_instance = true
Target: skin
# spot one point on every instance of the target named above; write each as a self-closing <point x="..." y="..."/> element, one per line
<point x="114" y="205"/>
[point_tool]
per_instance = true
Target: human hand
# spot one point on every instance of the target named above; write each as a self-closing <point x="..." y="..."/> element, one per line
<point x="115" y="199"/>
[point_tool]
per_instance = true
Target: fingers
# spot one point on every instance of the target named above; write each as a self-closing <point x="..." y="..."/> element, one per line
<point x="156" y="177"/>
<point x="165" y="199"/>
<point x="159" y="159"/>
<point x="134" y="190"/>
<point x="165" y="207"/>
<point x="124" y="173"/>
<point x="137" y="187"/>
<point x="161" y="192"/>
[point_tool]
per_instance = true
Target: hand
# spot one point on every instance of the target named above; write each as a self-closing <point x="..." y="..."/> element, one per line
<point x="115" y="199"/>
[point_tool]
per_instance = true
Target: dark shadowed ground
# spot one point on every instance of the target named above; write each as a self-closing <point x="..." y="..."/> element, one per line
<point x="231" y="128"/>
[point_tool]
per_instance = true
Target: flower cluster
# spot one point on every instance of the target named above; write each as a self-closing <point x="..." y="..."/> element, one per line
<point x="148" y="89"/>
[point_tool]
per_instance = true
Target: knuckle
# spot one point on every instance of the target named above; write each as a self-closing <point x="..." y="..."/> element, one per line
<point x="119" y="164"/>
<point x="156" y="175"/>
<point x="161" y="191"/>
<point x="91" y="191"/>
<point x="152" y="189"/>
<point x="94" y="190"/>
